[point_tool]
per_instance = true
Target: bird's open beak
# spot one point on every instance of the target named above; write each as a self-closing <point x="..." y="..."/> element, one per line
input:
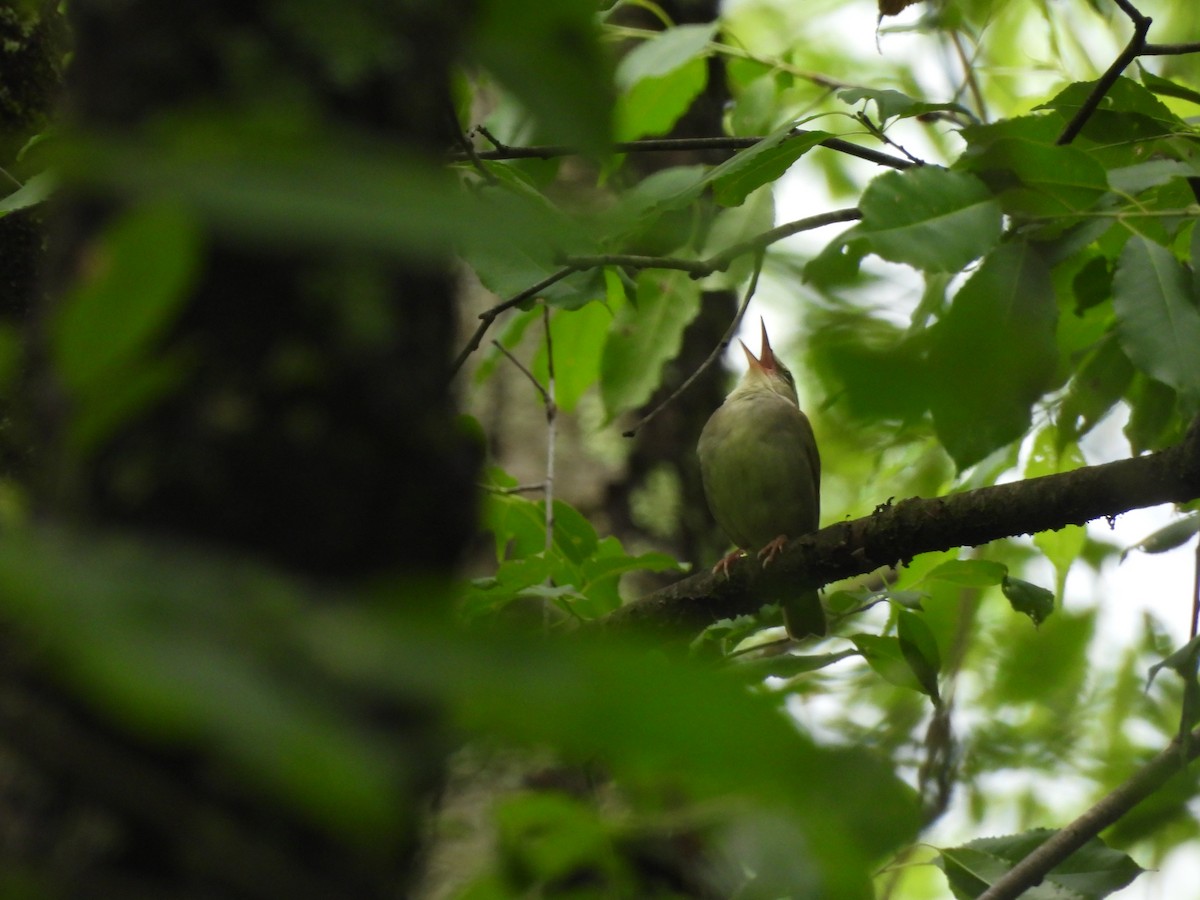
<point x="765" y="361"/>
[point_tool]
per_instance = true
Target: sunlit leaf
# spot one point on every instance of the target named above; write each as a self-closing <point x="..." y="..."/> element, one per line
<point x="930" y="218"/>
<point x="645" y="337"/>
<point x="34" y="191"/>
<point x="893" y="104"/>
<point x="970" y="572"/>
<point x="765" y="162"/>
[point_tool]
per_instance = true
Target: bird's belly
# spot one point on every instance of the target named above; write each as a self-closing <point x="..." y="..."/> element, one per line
<point x="759" y="480"/>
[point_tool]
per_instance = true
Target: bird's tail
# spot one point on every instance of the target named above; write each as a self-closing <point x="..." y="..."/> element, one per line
<point x="803" y="615"/>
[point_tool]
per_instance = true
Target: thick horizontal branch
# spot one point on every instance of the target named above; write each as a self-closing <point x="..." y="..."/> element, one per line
<point x="895" y="533"/>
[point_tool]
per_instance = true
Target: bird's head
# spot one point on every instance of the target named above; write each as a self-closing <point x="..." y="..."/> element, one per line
<point x="767" y="372"/>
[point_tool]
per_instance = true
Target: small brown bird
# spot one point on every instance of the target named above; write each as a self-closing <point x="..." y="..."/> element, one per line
<point x="762" y="474"/>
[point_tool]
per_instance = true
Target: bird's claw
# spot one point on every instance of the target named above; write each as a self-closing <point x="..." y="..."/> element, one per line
<point x="723" y="564"/>
<point x="768" y="553"/>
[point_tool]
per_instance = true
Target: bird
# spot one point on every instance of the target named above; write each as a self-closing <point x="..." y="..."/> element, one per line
<point x="761" y="471"/>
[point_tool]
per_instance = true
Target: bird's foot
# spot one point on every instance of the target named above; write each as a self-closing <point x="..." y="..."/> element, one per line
<point x="768" y="553"/>
<point x="723" y="564"/>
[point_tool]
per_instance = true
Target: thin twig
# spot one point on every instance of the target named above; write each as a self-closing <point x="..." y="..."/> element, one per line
<point x="697" y="268"/>
<point x="524" y="371"/>
<point x="878" y="132"/>
<point x="551" y="428"/>
<point x="515" y="489"/>
<point x="712" y="357"/>
<point x="969" y="75"/>
<point x="1170" y="49"/>
<point x="1137" y="43"/>
<point x="719" y="262"/>
<point x="1031" y="870"/>
<point x="468" y="147"/>
<point x="670" y="145"/>
<point x="488" y="316"/>
<point x="1196" y="593"/>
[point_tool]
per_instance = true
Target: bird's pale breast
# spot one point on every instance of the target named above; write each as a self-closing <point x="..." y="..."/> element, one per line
<point x="761" y="471"/>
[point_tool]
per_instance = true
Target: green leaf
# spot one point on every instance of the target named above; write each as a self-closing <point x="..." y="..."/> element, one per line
<point x="1091" y="872"/>
<point x="893" y="104"/>
<point x="1039" y="179"/>
<point x="549" y="836"/>
<point x="1153" y="420"/>
<point x="645" y="337"/>
<point x="1142" y="176"/>
<point x="134" y="286"/>
<point x="1165" y="87"/>
<point x="839" y="262"/>
<point x="578" y="338"/>
<point x="930" y="218"/>
<point x="550" y="57"/>
<point x="886" y="657"/>
<point x="1030" y="599"/>
<point x="993" y="354"/>
<point x="34" y="191"/>
<point x="638" y="217"/>
<point x="1157" y="320"/>
<point x="660" y="78"/>
<point x="664" y="53"/>
<point x="517" y="524"/>
<point x="859" y="358"/>
<point x="765" y="162"/>
<point x="734" y="226"/>
<point x="1168" y="537"/>
<point x="654" y="105"/>
<point x="1099" y="383"/>
<point x="920" y="650"/>
<point x="1128" y="110"/>
<point x="970" y="572"/>
<point x="1185" y="662"/>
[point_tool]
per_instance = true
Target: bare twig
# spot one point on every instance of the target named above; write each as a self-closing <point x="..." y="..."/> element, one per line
<point x="551" y="428"/>
<point x="1033" y="868"/>
<point x="712" y="357"/>
<point x="1170" y="49"/>
<point x="670" y="145"/>
<point x="697" y="268"/>
<point x="524" y="371"/>
<point x="1137" y="46"/>
<point x="1195" y="593"/>
<point x="719" y="262"/>
<point x="879" y="133"/>
<point x="969" y="78"/>
<point x="466" y="144"/>
<point x="488" y="316"/>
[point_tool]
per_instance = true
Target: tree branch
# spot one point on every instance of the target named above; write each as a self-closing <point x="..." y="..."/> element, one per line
<point x="898" y="532"/>
<point x="1030" y="871"/>
<point x="671" y="145"/>
<point x="696" y="268"/>
<point x="1137" y="46"/>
